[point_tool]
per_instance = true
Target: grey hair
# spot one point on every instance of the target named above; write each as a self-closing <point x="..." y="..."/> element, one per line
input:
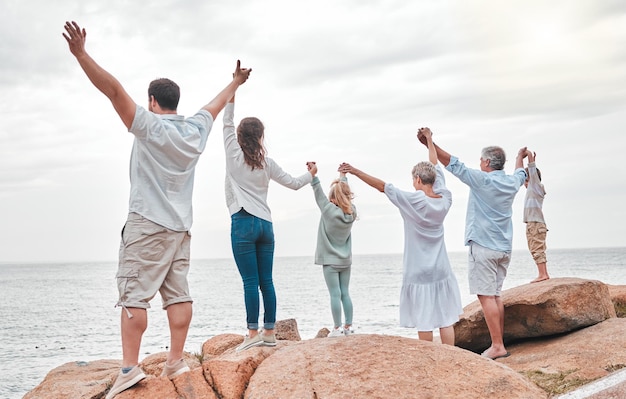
<point x="495" y="155"/>
<point x="426" y="171"/>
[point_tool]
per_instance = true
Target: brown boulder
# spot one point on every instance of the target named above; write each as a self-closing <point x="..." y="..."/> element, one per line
<point x="573" y="359"/>
<point x="287" y="330"/>
<point x="230" y="372"/>
<point x="618" y="296"/>
<point x="379" y="366"/>
<point x="219" y="344"/>
<point x="77" y="380"/>
<point x="554" y="306"/>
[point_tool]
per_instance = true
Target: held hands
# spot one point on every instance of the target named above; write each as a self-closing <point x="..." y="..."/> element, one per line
<point x="424" y="135"/>
<point x="531" y="155"/>
<point x="312" y="168"/>
<point x="522" y="153"/>
<point x="76" y="38"/>
<point x="241" y="74"/>
<point x="347" y="168"/>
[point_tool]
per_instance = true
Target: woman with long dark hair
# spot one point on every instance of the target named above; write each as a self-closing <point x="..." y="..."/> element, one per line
<point x="248" y="174"/>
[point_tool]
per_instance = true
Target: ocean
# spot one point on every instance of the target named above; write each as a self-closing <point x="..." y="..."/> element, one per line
<point x="63" y="312"/>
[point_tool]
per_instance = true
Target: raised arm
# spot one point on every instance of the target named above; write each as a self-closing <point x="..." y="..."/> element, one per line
<point x="441" y="155"/>
<point x="103" y="80"/>
<point x="228" y="93"/>
<point x="432" y="152"/>
<point x="370" y="180"/>
<point x="519" y="160"/>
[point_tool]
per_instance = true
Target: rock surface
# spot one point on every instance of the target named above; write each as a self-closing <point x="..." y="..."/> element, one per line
<point x="380" y="366"/>
<point x="554" y="306"/>
<point x="618" y="296"/>
<point x="576" y="358"/>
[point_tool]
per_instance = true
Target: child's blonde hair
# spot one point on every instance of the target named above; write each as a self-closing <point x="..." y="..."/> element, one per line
<point x="341" y="195"/>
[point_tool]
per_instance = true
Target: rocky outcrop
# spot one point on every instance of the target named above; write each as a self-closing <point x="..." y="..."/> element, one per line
<point x="379" y="366"/>
<point x="581" y="356"/>
<point x="618" y="296"/>
<point x="359" y="366"/>
<point x="554" y="306"/>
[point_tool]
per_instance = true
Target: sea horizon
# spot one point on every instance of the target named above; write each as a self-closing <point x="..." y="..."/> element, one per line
<point x="60" y="312"/>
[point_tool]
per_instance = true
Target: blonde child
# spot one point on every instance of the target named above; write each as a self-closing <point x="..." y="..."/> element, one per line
<point x="334" y="246"/>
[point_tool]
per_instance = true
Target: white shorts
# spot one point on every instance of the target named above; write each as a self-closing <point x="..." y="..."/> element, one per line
<point x="486" y="270"/>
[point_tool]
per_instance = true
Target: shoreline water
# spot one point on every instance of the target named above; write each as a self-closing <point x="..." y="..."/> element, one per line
<point x="67" y="312"/>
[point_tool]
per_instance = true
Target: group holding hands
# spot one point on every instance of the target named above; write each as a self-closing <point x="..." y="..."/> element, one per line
<point x="155" y="242"/>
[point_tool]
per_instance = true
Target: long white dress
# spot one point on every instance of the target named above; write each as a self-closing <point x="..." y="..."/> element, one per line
<point x="430" y="297"/>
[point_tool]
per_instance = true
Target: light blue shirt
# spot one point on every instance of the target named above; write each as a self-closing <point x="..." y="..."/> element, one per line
<point x="162" y="165"/>
<point x="490" y="205"/>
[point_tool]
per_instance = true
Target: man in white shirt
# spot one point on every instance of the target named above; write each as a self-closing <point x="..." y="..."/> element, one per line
<point x="154" y="250"/>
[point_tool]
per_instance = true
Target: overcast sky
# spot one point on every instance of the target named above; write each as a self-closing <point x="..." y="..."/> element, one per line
<point x="332" y="81"/>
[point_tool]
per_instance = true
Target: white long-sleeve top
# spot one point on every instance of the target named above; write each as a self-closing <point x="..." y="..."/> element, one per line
<point x="535" y="192"/>
<point x="247" y="188"/>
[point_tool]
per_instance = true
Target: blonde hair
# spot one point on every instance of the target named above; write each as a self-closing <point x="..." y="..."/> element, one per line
<point x="341" y="195"/>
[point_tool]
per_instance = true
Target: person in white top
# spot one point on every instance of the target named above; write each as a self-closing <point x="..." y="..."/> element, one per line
<point x="155" y="244"/>
<point x="430" y="297"/>
<point x="536" y="229"/>
<point x="248" y="174"/>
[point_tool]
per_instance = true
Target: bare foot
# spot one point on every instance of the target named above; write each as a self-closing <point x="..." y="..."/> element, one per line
<point x="540" y="278"/>
<point x="493" y="354"/>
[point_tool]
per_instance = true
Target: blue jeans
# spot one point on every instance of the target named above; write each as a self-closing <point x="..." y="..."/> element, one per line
<point x="252" y="240"/>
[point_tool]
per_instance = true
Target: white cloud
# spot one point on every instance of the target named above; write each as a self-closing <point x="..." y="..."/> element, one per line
<point x="332" y="82"/>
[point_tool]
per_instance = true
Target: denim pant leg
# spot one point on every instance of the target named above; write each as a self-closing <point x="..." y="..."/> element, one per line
<point x="265" y="262"/>
<point x="253" y="249"/>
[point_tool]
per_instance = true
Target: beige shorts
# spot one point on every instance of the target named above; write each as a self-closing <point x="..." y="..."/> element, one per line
<point x="486" y="270"/>
<point x="536" y="237"/>
<point x="152" y="259"/>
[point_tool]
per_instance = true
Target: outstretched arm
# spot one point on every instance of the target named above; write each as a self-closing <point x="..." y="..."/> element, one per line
<point x="228" y="93"/>
<point x="519" y="160"/>
<point x="370" y="180"/>
<point x="432" y="151"/>
<point x="103" y="80"/>
<point x="442" y="156"/>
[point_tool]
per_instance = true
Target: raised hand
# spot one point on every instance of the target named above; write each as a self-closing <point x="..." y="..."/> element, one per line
<point x="312" y="168"/>
<point x="522" y="153"/>
<point x="76" y="38"/>
<point x="421" y="136"/>
<point x="241" y="74"/>
<point x="346" y="168"/>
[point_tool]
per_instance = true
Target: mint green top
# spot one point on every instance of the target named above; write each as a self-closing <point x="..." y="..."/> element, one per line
<point x="334" y="238"/>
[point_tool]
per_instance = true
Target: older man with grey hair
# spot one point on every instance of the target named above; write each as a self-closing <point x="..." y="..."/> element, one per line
<point x="488" y="231"/>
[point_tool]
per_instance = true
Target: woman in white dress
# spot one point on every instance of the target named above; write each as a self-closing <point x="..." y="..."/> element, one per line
<point x="430" y="297"/>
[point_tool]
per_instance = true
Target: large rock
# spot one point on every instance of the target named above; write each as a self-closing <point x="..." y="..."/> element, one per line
<point x="380" y="367"/>
<point x="77" y="380"/>
<point x="618" y="296"/>
<point x="287" y="330"/>
<point x="573" y="359"/>
<point x="554" y="306"/>
<point x="359" y="366"/>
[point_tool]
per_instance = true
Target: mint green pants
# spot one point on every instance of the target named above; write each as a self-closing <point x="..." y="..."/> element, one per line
<point x="338" y="281"/>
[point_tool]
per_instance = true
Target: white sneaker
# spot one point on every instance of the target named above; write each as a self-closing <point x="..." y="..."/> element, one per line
<point x="348" y="331"/>
<point x="125" y="381"/>
<point x="250" y="342"/>
<point x="337" y="332"/>
<point x="177" y="369"/>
